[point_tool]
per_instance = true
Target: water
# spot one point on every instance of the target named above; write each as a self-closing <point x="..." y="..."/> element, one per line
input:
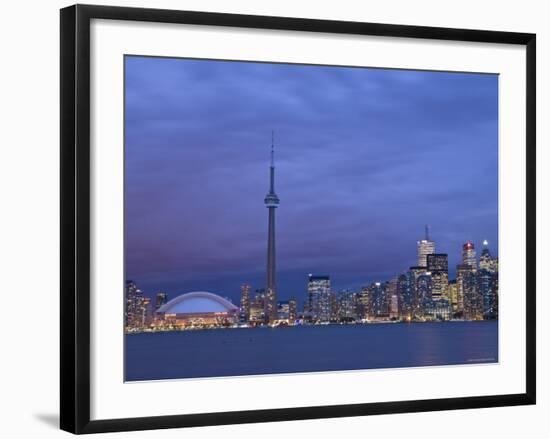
<point x="253" y="351"/>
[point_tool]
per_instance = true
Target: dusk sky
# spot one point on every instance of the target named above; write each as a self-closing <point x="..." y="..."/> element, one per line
<point x="364" y="159"/>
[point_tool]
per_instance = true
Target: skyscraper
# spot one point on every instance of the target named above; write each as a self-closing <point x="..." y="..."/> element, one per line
<point x="438" y="265"/>
<point x="292" y="311"/>
<point x="423" y="292"/>
<point x="271" y="202"/>
<point x="487" y="285"/>
<point x="453" y="295"/>
<point x="406" y="288"/>
<point x="318" y="298"/>
<point x="486" y="261"/>
<point x="245" y="302"/>
<point x="135" y="314"/>
<point x="425" y="247"/>
<point x="469" y="255"/>
<point x="161" y="299"/>
<point x="464" y="274"/>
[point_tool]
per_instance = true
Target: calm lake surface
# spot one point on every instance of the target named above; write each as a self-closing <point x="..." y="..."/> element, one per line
<point x="253" y="351"/>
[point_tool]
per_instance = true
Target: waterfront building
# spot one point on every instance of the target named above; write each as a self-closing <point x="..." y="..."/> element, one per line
<point x="486" y="261"/>
<point x="198" y="308"/>
<point x="406" y="289"/>
<point x="393" y="297"/>
<point x="425" y="247"/>
<point x="292" y="311"/>
<point x="160" y="299"/>
<point x="438" y="266"/>
<point x="363" y="303"/>
<point x="257" y="314"/>
<point x="334" y="306"/>
<point x="487" y="284"/>
<point x="146" y="312"/>
<point x="468" y="292"/>
<point x="318" y="297"/>
<point x="347" y="306"/>
<point x="283" y="310"/>
<point x="437" y="310"/>
<point x="271" y="202"/>
<point x="463" y="274"/>
<point x="423" y="292"/>
<point x="453" y="295"/>
<point x="245" y="302"/>
<point x="394" y="306"/>
<point x="378" y="307"/>
<point x="469" y="255"/>
<point x="134" y="313"/>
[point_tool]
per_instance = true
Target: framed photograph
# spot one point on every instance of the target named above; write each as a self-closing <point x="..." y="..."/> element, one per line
<point x="268" y="219"/>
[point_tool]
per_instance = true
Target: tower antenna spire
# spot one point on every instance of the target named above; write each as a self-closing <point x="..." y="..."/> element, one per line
<point x="272" y="148"/>
<point x="427" y="231"/>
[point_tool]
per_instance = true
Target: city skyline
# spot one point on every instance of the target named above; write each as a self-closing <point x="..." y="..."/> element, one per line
<point x="340" y="216"/>
<point x="436" y="263"/>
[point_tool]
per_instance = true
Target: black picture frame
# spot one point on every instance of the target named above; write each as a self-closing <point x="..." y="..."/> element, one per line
<point x="75" y="217"/>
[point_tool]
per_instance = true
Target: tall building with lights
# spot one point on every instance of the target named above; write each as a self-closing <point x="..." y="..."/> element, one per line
<point x="245" y="302"/>
<point x="464" y="275"/>
<point x="486" y="260"/>
<point x="406" y="290"/>
<point x="347" y="306"/>
<point x="469" y="255"/>
<point x="425" y="247"/>
<point x="487" y="285"/>
<point x="138" y="308"/>
<point x="423" y="292"/>
<point x="292" y="311"/>
<point x="438" y="265"/>
<point x="160" y="299"/>
<point x="453" y="295"/>
<point x="318" y="298"/>
<point x="271" y="202"/>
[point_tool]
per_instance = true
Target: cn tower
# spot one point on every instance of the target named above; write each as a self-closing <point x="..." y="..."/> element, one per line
<point x="271" y="202"/>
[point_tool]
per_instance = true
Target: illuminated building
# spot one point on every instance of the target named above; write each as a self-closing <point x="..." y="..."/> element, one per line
<point x="437" y="262"/>
<point x="160" y="299"/>
<point x="378" y="301"/>
<point x="334" y="307"/>
<point x="245" y="302"/>
<point x="463" y="274"/>
<point x="318" y="297"/>
<point x="423" y="291"/>
<point x="392" y="298"/>
<point x="469" y="299"/>
<point x="439" y="268"/>
<point x="271" y="202"/>
<point x="437" y="310"/>
<point x="292" y="311"/>
<point x="416" y="272"/>
<point x="425" y="247"/>
<point x="146" y="312"/>
<point x="453" y="295"/>
<point x="283" y="310"/>
<point x="257" y="308"/>
<point x="406" y="289"/>
<point x="486" y="261"/>
<point x="198" y="308"/>
<point x="134" y="314"/>
<point x="347" y="306"/>
<point x="469" y="255"/>
<point x="363" y="303"/>
<point x="487" y="284"/>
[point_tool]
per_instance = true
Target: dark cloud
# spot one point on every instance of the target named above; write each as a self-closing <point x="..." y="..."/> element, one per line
<point x="365" y="157"/>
